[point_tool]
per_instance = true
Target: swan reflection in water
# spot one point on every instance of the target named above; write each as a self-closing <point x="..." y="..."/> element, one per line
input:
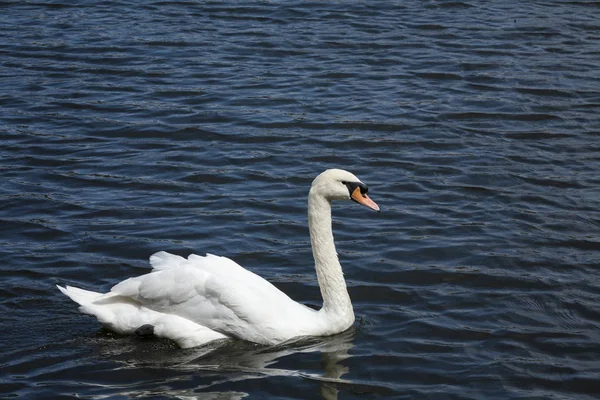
<point x="223" y="362"/>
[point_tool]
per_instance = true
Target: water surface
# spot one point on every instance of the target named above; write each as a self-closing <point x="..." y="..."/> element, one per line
<point x="191" y="126"/>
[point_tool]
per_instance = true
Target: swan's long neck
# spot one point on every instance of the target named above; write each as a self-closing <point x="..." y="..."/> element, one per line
<point x="336" y="301"/>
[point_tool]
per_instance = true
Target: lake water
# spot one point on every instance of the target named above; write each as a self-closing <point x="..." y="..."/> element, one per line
<point x="130" y="127"/>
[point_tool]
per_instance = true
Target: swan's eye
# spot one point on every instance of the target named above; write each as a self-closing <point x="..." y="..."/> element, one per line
<point x="352" y="186"/>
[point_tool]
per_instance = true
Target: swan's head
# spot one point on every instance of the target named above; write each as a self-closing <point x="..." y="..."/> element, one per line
<point x="337" y="184"/>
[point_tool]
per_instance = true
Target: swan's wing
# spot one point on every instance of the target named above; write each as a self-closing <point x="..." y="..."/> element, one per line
<point x="217" y="265"/>
<point x="227" y="269"/>
<point x="163" y="260"/>
<point x="223" y="267"/>
<point x="212" y="291"/>
<point x="161" y="288"/>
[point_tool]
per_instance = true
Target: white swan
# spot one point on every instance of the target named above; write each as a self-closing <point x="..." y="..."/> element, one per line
<point x="199" y="299"/>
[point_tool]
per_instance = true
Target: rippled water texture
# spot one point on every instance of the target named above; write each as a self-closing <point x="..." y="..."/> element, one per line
<point x="194" y="126"/>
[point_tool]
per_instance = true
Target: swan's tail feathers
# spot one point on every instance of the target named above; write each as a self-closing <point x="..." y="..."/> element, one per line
<point x="163" y="260"/>
<point x="107" y="314"/>
<point x="79" y="296"/>
<point x="124" y="315"/>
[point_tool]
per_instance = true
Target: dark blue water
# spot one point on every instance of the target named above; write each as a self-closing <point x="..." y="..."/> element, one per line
<point x="192" y="126"/>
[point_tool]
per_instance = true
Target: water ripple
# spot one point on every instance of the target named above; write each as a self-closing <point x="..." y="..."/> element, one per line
<point x="198" y="126"/>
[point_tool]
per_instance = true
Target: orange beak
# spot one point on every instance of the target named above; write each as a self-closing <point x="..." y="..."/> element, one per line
<point x="363" y="199"/>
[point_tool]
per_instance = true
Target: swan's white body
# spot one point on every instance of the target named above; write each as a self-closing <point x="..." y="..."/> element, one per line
<point x="200" y="299"/>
